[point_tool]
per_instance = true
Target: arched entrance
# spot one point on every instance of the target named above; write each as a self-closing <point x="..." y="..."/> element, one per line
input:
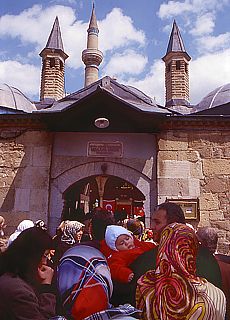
<point x="61" y="183"/>
<point x="109" y="192"/>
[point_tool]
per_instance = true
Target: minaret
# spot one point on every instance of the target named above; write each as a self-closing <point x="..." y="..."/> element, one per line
<point x="176" y="71"/>
<point x="92" y="57"/>
<point x="53" y="66"/>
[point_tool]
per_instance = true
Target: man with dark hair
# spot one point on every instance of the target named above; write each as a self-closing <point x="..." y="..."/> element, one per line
<point x="100" y="220"/>
<point x="165" y="214"/>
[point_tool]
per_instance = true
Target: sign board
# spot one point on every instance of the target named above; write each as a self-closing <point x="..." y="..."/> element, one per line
<point x="105" y="149"/>
<point x="189" y="206"/>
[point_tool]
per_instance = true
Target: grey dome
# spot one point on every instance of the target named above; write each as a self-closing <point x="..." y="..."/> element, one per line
<point x="14" y="99"/>
<point x="216" y="98"/>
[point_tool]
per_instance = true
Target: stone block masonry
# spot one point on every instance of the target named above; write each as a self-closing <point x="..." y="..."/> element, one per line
<point x="195" y="164"/>
<point x="24" y="175"/>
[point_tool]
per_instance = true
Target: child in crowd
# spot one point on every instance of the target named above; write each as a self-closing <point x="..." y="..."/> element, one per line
<point x="124" y="249"/>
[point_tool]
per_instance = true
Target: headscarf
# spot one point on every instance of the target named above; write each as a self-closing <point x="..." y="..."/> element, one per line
<point x="172" y="290"/>
<point x="69" y="230"/>
<point x="23" y="225"/>
<point x="84" y="282"/>
<point x="41" y="224"/>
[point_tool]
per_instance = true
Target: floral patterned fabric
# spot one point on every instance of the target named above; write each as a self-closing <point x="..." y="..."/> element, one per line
<point x="172" y="290"/>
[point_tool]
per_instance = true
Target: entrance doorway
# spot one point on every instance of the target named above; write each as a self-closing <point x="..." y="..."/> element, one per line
<point x="106" y="191"/>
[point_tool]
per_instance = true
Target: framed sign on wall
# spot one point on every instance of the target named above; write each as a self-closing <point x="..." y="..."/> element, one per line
<point x="189" y="206"/>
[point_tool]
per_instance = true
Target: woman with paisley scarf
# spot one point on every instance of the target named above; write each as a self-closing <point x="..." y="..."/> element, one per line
<point x="172" y="290"/>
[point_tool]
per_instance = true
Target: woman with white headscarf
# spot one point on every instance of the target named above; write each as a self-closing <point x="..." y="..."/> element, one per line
<point x="23" y="225"/>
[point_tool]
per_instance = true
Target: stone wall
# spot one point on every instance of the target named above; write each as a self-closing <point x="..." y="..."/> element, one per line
<point x="24" y="175"/>
<point x="195" y="164"/>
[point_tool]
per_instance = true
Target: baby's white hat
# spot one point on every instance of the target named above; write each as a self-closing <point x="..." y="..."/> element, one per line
<point x="112" y="233"/>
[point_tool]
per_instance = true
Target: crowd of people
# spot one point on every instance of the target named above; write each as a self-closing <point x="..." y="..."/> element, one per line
<point x="101" y="268"/>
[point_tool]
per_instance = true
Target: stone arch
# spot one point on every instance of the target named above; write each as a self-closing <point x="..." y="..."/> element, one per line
<point x="71" y="176"/>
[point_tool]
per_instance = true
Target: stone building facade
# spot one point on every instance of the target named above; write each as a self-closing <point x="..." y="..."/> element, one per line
<point x="173" y="152"/>
<point x="197" y="165"/>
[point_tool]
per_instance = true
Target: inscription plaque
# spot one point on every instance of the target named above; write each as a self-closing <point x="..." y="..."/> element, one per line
<point x="105" y="149"/>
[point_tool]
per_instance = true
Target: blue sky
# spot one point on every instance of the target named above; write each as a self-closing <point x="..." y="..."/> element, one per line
<point x="133" y="38"/>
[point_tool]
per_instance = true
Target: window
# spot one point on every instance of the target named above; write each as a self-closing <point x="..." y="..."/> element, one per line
<point x="52" y="62"/>
<point x="178" y="65"/>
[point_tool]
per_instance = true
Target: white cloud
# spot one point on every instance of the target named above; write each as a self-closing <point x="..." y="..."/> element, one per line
<point x="25" y="77"/>
<point x="127" y="62"/>
<point x="179" y="8"/>
<point x="202" y="6"/>
<point x="153" y="83"/>
<point x="34" y="26"/>
<point x="207" y="73"/>
<point x="212" y="44"/>
<point x="117" y="30"/>
<point x="174" y="8"/>
<point x="198" y="18"/>
<point x="204" y="25"/>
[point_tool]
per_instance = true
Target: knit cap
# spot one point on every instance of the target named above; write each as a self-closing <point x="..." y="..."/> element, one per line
<point x="112" y="233"/>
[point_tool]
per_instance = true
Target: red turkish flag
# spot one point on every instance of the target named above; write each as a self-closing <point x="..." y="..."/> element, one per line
<point x="109" y="205"/>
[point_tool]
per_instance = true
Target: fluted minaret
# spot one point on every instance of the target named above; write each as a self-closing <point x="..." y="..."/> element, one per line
<point x="53" y="66"/>
<point x="92" y="57"/>
<point x="176" y="71"/>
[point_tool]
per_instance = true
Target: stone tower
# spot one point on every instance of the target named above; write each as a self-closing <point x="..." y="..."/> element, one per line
<point x="176" y="72"/>
<point x="92" y="57"/>
<point x="53" y="66"/>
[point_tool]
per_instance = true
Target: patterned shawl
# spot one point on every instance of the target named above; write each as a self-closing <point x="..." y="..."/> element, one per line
<point x="173" y="291"/>
<point x="69" y="230"/>
<point x="84" y="282"/>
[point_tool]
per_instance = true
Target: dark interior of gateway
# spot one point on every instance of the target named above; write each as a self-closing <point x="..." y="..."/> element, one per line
<point x="108" y="192"/>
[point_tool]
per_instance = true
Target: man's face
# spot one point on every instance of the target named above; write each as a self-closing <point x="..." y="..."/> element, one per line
<point x="159" y="222"/>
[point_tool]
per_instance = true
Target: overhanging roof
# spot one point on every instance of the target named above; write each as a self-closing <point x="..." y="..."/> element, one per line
<point x="127" y="95"/>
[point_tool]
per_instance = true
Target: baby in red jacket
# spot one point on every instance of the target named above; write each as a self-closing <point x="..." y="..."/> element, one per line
<point x="125" y="248"/>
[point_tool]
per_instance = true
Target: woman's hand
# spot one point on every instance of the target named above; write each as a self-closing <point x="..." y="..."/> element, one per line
<point x="45" y="274"/>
